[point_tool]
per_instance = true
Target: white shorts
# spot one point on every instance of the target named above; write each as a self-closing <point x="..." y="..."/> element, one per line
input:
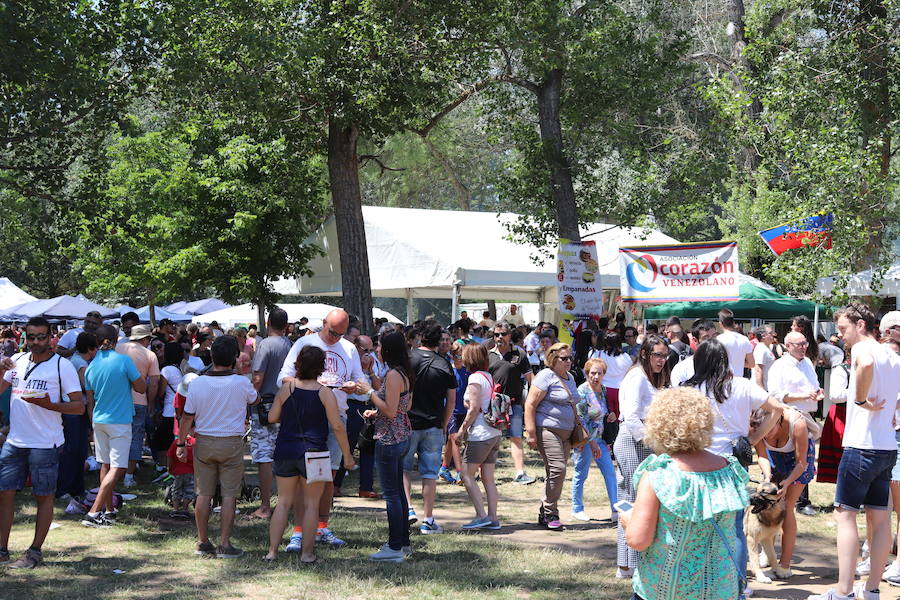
<point x="112" y="444"/>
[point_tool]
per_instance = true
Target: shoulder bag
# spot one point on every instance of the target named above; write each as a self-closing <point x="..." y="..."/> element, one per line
<point x="580" y="435"/>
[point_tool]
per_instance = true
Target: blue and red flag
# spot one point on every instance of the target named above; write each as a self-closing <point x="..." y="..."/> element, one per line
<point x="816" y="229"/>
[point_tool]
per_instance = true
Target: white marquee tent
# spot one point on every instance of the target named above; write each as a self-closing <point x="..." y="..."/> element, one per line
<point x="247" y="313"/>
<point x="453" y="254"/>
<point x="12" y="295"/>
<point x="860" y="284"/>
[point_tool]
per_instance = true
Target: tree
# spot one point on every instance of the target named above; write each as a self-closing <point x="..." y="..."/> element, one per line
<point x="201" y="206"/>
<point x="352" y="69"/>
<point x="821" y="75"/>
<point x="68" y="69"/>
<point x="593" y="76"/>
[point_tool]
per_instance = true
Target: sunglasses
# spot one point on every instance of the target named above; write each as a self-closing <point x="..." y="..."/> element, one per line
<point x="566" y="358"/>
<point x="659" y="355"/>
<point x="334" y="333"/>
<point x="36" y="337"/>
<point x="500" y="333"/>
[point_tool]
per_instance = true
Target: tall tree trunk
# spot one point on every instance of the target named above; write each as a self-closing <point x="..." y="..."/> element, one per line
<point x="261" y="327"/>
<point x="747" y="157"/>
<point x="875" y="112"/>
<point x="151" y="306"/>
<point x="343" y="173"/>
<point x="561" y="187"/>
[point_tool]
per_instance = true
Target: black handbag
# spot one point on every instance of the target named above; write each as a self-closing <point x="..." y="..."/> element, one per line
<point x="263" y="408"/>
<point x="742" y="451"/>
<point x="366" y="440"/>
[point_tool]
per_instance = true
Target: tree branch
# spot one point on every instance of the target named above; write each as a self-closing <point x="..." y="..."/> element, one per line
<point x="465" y="95"/>
<point x="364" y="158"/>
<point x="713" y="58"/>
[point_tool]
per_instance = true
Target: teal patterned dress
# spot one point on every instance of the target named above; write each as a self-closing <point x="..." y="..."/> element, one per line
<point x="687" y="559"/>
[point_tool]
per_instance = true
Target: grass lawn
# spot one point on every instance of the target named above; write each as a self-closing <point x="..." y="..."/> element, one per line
<point x="155" y="554"/>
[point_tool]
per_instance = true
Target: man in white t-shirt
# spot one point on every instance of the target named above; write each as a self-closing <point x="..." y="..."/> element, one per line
<point x="65" y="347"/>
<point x="870" y="453"/>
<point x="762" y="355"/>
<point x="514" y="317"/>
<point x="44" y="387"/>
<point x="703" y="330"/>
<point x="533" y="346"/>
<point x="215" y="411"/>
<point x="738" y="347"/>
<point x="792" y="378"/>
<point x="342" y="372"/>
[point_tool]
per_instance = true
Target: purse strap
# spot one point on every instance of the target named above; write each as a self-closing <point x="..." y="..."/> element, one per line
<point x="742" y="578"/>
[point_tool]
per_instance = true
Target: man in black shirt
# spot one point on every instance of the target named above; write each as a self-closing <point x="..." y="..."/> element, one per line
<point x="434" y="396"/>
<point x="510" y="368"/>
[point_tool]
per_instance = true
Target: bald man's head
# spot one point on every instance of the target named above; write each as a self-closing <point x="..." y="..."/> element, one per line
<point x="335" y="326"/>
<point x="796" y="344"/>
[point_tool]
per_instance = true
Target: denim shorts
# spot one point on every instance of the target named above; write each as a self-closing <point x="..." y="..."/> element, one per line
<point x="864" y="479"/>
<point x="516" y="421"/>
<point x="138" y="427"/>
<point x="16" y="463"/>
<point x="428" y="444"/>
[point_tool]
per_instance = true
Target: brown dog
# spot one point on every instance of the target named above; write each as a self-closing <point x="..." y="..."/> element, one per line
<point x="762" y="523"/>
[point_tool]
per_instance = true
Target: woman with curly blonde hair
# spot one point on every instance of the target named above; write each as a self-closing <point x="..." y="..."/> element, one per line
<point x="681" y="491"/>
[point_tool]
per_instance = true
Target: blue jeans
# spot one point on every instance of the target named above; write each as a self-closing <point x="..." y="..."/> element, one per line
<point x="70" y="479"/>
<point x="582" y="459"/>
<point x="366" y="461"/>
<point x="864" y="479"/>
<point x="742" y="553"/>
<point x="516" y="421"/>
<point x="389" y="459"/>
<point x="16" y="463"/>
<point x="138" y="428"/>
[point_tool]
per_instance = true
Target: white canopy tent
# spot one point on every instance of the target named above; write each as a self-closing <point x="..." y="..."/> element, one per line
<point x="860" y="284"/>
<point x="12" y="295"/>
<point x="247" y="313"/>
<point x="455" y="254"/>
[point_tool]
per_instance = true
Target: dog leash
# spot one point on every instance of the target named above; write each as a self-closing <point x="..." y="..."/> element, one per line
<point x="742" y="577"/>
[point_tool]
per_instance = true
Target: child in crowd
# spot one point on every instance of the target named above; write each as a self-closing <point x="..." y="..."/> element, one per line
<point x="182" y="485"/>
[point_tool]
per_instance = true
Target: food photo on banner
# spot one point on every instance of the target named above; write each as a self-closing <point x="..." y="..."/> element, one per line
<point x="671" y="272"/>
<point x="576" y="273"/>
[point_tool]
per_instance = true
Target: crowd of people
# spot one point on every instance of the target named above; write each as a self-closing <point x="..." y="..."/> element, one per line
<point x="670" y="417"/>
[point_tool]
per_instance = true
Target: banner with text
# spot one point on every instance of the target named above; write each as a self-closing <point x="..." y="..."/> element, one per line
<point x="577" y="272"/>
<point x="676" y="272"/>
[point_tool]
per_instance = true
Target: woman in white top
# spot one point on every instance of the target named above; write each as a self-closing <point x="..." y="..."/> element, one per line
<point x="482" y="440"/>
<point x="787" y="458"/>
<point x="733" y="400"/>
<point x="169" y="378"/>
<point x="640" y="384"/>
<point x="618" y="363"/>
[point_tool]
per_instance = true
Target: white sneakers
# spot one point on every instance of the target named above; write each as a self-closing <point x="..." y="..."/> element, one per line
<point x="580" y="516"/>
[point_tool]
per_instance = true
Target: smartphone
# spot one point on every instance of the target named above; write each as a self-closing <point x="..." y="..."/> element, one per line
<point x="622" y="506"/>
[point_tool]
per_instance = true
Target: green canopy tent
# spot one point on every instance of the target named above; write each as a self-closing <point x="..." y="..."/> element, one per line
<point x="755" y="303"/>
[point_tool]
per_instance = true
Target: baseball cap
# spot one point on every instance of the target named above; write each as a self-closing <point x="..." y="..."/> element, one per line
<point x="891" y="319"/>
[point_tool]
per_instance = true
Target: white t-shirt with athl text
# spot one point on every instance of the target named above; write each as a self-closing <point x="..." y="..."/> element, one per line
<point x="31" y="426"/>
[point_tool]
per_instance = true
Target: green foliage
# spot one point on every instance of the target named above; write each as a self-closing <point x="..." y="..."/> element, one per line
<point x="201" y="206"/>
<point x="619" y="66"/>
<point x="66" y="71"/>
<point x="820" y="72"/>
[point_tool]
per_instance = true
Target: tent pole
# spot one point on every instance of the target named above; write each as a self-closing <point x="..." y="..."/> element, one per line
<point x="454" y="303"/>
<point x="409" y="306"/>
<point x="815" y="322"/>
